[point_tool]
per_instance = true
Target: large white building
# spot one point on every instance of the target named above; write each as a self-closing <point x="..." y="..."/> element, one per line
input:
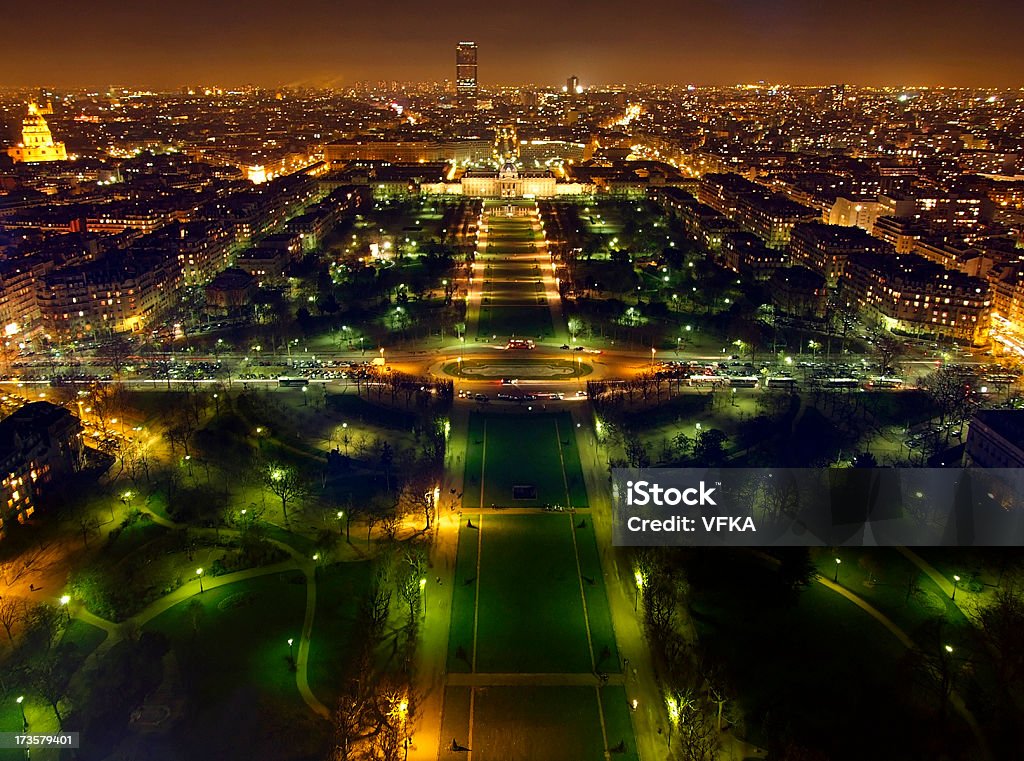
<point x="37" y="142"/>
<point x="507" y="182"/>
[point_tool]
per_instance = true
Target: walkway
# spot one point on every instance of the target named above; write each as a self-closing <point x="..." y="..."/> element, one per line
<point x="115" y="631"/>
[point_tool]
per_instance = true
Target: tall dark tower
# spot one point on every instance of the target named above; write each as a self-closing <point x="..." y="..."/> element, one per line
<point x="465" y="70"/>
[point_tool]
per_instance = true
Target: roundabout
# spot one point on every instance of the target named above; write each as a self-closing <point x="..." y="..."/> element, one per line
<point x="521" y="369"/>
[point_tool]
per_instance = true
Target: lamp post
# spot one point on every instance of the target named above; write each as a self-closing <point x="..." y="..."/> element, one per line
<point x="835" y="578"/>
<point x="65" y="601"/>
<point x="423" y="594"/>
<point x="956" y="581"/>
<point x="291" y="651"/>
<point x="673" y="716"/>
<point x="639" y="578"/>
<point x="340" y="516"/>
<point x="403" y="715"/>
<point x="199" y="575"/>
<point x="653" y="352"/>
<point x="24" y="718"/>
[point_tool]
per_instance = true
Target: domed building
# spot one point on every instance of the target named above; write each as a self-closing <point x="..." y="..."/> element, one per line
<point x="36" y="140"/>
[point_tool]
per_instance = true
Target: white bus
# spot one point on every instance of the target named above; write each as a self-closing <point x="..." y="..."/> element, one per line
<point x="787" y="384"/>
<point x="708" y="380"/>
<point x="744" y="382"/>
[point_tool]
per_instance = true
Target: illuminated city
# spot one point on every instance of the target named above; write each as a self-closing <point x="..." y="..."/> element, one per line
<point x="328" y="345"/>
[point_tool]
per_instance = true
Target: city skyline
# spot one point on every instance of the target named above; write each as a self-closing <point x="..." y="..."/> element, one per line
<point x="793" y="42"/>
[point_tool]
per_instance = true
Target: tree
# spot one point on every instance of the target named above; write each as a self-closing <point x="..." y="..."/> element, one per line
<point x="286" y="483"/>
<point x="636" y="453"/>
<point x="698" y="740"/>
<point x="887" y="351"/>
<point x="865" y="460"/>
<point x="410" y="590"/>
<point x="12" y="610"/>
<point x="950" y="389"/>
<point x="50" y="676"/>
<point x="117" y="352"/>
<point x="1002" y="629"/>
<point x="709" y="447"/>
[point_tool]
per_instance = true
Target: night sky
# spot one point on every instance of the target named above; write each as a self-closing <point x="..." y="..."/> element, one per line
<point x="325" y="42"/>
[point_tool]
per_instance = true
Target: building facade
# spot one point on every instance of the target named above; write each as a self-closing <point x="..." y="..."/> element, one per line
<point x="37" y="142"/>
<point x="466" y="69"/>
<point x="913" y="296"/>
<point x="40" y="444"/>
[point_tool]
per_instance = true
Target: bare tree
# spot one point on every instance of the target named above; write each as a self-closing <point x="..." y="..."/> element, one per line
<point x="286" y="483"/>
<point x="12" y="610"/>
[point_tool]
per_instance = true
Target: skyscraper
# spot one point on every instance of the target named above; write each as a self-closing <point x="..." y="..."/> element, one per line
<point x="465" y="69"/>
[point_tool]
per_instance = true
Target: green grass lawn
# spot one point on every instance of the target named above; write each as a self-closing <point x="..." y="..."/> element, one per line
<point x="460" y="635"/>
<point x="235" y="673"/>
<point x="537" y="724"/>
<point x="550" y="462"/>
<point x="819" y="657"/>
<point x="599" y="615"/>
<point x="618" y="722"/>
<point x="241" y="636"/>
<point x="530" y="616"/>
<point x="339" y="590"/>
<point x="524" y="321"/>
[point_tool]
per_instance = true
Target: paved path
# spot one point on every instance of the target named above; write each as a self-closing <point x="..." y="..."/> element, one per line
<point x="115" y="631"/>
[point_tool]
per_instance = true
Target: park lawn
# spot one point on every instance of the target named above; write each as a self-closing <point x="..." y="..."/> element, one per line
<point x="241" y="638"/>
<point x="822" y="660"/>
<point x="235" y="672"/>
<point x="571" y="460"/>
<point x="530" y="616"/>
<point x="518" y="320"/>
<point x="340" y="589"/>
<point x="892" y="575"/>
<point x="455" y="719"/>
<point x="460" y="634"/>
<point x="537" y="724"/>
<point x="474" y="461"/>
<point x="618" y="722"/>
<point x="602" y="633"/>
<point x="352" y="407"/>
<point x="85" y="637"/>
<point x="549" y="461"/>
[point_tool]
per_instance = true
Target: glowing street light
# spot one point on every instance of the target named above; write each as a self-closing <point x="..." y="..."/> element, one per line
<point x="199" y="575"/>
<point x="291" y="651"/>
<point x="423" y="594"/>
<point x="956" y="581"/>
<point x="673" y="716"/>
<point x="835" y="578"/>
<point x="24" y="719"/>
<point x="640" y="581"/>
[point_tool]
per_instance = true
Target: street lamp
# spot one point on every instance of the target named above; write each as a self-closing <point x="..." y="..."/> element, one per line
<point x="653" y="352"/>
<point x="956" y="581"/>
<point x="291" y="651"/>
<point x="673" y="716"/>
<point x="423" y="594"/>
<point x="835" y="578"/>
<point x="24" y="718"/>
<point x="639" y="578"/>
<point x="199" y="574"/>
<point x="64" y="601"/>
